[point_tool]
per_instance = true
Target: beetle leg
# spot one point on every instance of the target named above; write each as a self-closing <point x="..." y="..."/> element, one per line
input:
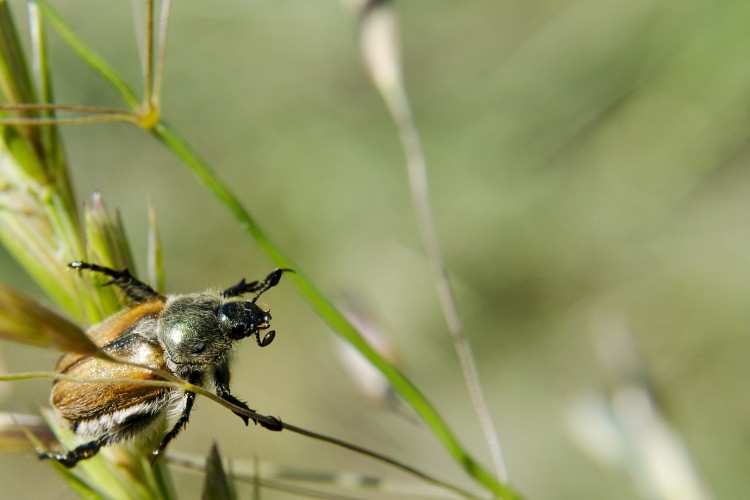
<point x="221" y="377"/>
<point x="255" y="286"/>
<point x="72" y="457"/>
<point x="189" y="399"/>
<point x="181" y="422"/>
<point x="239" y="288"/>
<point x="224" y="394"/>
<point x="136" y="290"/>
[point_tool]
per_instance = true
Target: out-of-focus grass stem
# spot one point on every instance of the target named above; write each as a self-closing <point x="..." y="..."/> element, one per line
<point x="381" y="52"/>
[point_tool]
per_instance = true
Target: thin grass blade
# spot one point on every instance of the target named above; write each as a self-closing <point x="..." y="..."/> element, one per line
<point x="54" y="153"/>
<point x="15" y="83"/>
<point x="155" y="256"/>
<point x="90" y="57"/>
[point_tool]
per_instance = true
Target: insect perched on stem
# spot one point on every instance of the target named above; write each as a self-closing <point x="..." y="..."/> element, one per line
<point x="190" y="336"/>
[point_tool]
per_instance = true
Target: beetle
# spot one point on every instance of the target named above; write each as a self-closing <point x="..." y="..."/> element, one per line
<point x="188" y="335"/>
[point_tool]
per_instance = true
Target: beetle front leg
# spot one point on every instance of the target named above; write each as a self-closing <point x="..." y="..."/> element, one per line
<point x="258" y="286"/>
<point x="221" y="376"/>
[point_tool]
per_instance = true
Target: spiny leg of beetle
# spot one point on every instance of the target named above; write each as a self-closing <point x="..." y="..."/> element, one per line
<point x="255" y="286"/>
<point x="224" y="394"/>
<point x="181" y="422"/>
<point x="72" y="457"/>
<point x="136" y="290"/>
<point x="221" y="378"/>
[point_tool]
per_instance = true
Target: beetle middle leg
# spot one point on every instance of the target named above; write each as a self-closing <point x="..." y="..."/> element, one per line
<point x="194" y="379"/>
<point x="136" y="290"/>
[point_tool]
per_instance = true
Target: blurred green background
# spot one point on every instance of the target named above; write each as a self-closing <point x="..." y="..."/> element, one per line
<point x="588" y="166"/>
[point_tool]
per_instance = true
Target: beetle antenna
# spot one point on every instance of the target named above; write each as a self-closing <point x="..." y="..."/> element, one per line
<point x="267" y="338"/>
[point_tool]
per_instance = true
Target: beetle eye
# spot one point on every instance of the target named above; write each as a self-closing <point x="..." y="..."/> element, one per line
<point x="238" y="331"/>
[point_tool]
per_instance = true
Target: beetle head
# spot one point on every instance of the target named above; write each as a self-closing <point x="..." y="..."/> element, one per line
<point x="240" y="319"/>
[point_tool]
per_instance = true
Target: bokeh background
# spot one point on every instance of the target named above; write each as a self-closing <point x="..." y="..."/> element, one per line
<point x="588" y="163"/>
